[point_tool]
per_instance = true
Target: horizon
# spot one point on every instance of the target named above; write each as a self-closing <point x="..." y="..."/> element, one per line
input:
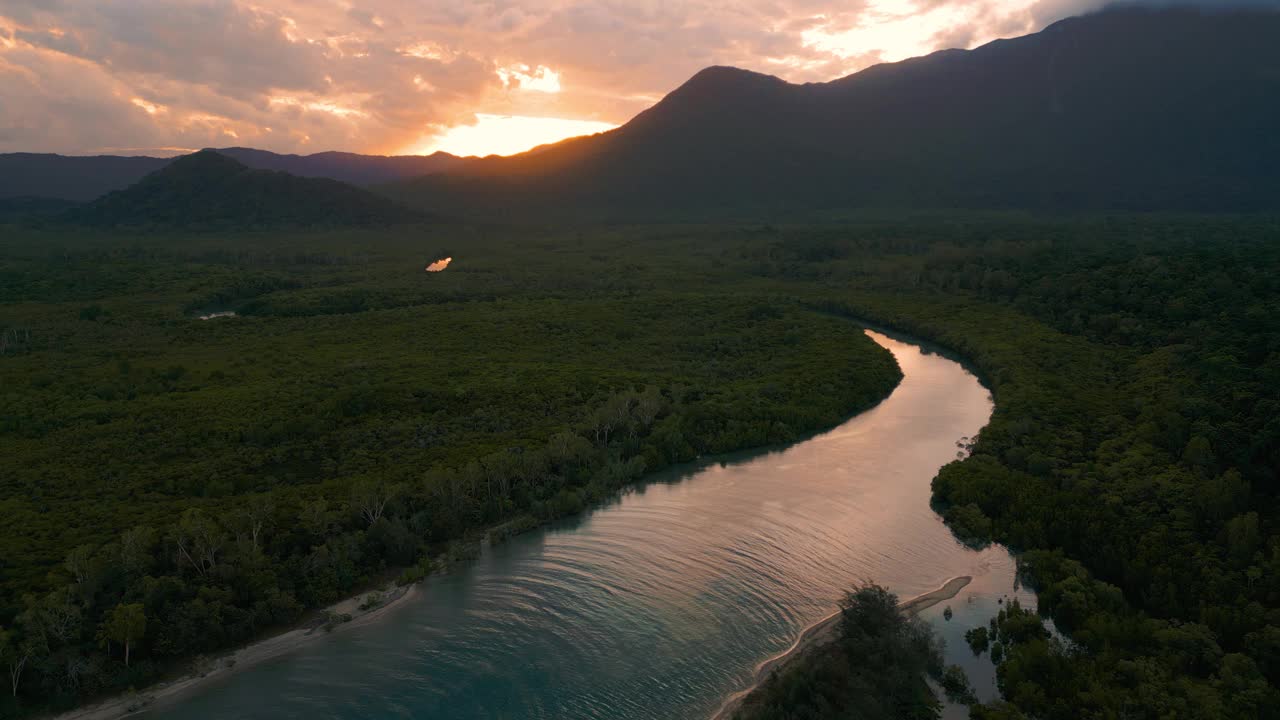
<point x="389" y="79"/>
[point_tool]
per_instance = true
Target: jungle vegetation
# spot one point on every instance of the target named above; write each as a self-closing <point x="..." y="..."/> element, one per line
<point x="1133" y="452"/>
<point x="358" y="415"/>
<point x="174" y="486"/>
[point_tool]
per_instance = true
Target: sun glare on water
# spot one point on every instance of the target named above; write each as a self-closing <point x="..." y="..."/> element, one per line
<point x="507" y="135"/>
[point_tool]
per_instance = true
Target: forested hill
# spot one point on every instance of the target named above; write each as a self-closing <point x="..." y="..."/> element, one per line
<point x="209" y="190"/>
<point x="346" y="167"/>
<point x="1129" y="108"/>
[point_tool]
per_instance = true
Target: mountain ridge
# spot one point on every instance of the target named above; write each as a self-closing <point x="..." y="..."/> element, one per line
<point x="208" y="190"/>
<point x="82" y="178"/>
<point x="1093" y="113"/>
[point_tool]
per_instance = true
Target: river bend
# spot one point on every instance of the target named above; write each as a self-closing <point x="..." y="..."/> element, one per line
<point x="660" y="604"/>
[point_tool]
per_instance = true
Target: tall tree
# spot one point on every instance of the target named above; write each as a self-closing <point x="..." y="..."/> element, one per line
<point x="125" y="624"/>
<point x="199" y="540"/>
<point x="14" y="655"/>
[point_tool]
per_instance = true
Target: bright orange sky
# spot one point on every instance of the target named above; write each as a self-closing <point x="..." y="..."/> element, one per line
<point x="411" y="76"/>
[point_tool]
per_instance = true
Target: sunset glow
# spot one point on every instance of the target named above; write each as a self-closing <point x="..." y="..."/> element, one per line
<point x="507" y="135"/>
<point x="893" y="30"/>
<point x="410" y="76"/>
<point x="523" y="77"/>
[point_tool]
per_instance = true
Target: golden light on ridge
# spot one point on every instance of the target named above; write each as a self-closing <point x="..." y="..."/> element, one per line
<point x="506" y="135"/>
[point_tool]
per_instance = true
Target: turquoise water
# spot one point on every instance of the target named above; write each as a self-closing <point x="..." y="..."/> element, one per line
<point x="662" y="603"/>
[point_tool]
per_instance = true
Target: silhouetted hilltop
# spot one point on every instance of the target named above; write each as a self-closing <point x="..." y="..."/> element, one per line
<point x="1127" y="109"/>
<point x="346" y="167"/>
<point x="208" y="190"/>
<point x="81" y="179"/>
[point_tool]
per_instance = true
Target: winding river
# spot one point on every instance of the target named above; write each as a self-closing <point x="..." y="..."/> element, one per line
<point x="660" y="604"/>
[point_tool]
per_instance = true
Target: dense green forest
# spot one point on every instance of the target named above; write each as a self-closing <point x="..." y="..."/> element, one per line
<point x="174" y="486"/>
<point x="358" y="414"/>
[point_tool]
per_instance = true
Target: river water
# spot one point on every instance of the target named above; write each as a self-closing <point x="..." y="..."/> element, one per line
<point x="660" y="604"/>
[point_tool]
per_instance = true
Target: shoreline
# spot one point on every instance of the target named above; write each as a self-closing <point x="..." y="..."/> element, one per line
<point x="204" y="669"/>
<point x="823" y="632"/>
<point x="229" y="663"/>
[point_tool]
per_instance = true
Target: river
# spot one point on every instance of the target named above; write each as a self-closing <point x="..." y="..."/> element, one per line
<point x="661" y="603"/>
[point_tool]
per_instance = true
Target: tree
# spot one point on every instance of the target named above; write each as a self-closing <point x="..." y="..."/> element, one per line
<point x="199" y="540"/>
<point x="135" y="549"/>
<point x="54" y="618"/>
<point x="256" y="515"/>
<point x="610" y="416"/>
<point x="566" y="447"/>
<point x="14" y="656"/>
<point x="125" y="624"/>
<point x="648" y="405"/>
<point x="1198" y="452"/>
<point x="85" y="568"/>
<point x="314" y="517"/>
<point x="370" y="499"/>
<point x="80" y="563"/>
<point x="1243" y="535"/>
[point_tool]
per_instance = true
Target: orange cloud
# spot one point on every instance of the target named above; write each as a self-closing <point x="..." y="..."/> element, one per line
<point x="385" y="75"/>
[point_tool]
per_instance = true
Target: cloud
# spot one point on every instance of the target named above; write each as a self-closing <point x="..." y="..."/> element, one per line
<point x="383" y="75"/>
<point x="1049" y="11"/>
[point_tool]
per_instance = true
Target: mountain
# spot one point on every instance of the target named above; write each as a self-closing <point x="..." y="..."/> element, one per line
<point x="208" y="190"/>
<point x="1127" y="109"/>
<point x="346" y="167"/>
<point x="81" y="179"/>
<point x="74" y="178"/>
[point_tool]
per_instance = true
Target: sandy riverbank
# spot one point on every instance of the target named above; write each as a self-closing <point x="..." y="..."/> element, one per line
<point x="823" y="632"/>
<point x="222" y="666"/>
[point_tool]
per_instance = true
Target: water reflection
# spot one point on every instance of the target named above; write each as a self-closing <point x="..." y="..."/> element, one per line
<point x="661" y="603"/>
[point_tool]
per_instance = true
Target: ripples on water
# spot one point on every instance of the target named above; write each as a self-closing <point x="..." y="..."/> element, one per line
<point x="662" y="603"/>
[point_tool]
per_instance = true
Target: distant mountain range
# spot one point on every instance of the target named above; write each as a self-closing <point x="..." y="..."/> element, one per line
<point x="84" y="178"/>
<point x="1131" y="108"/>
<point x="1125" y="109"/>
<point x="212" y="191"/>
<point x="75" y="178"/>
<point x="347" y="167"/>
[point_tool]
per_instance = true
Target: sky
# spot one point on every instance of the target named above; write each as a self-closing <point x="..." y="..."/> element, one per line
<point x="162" y="77"/>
